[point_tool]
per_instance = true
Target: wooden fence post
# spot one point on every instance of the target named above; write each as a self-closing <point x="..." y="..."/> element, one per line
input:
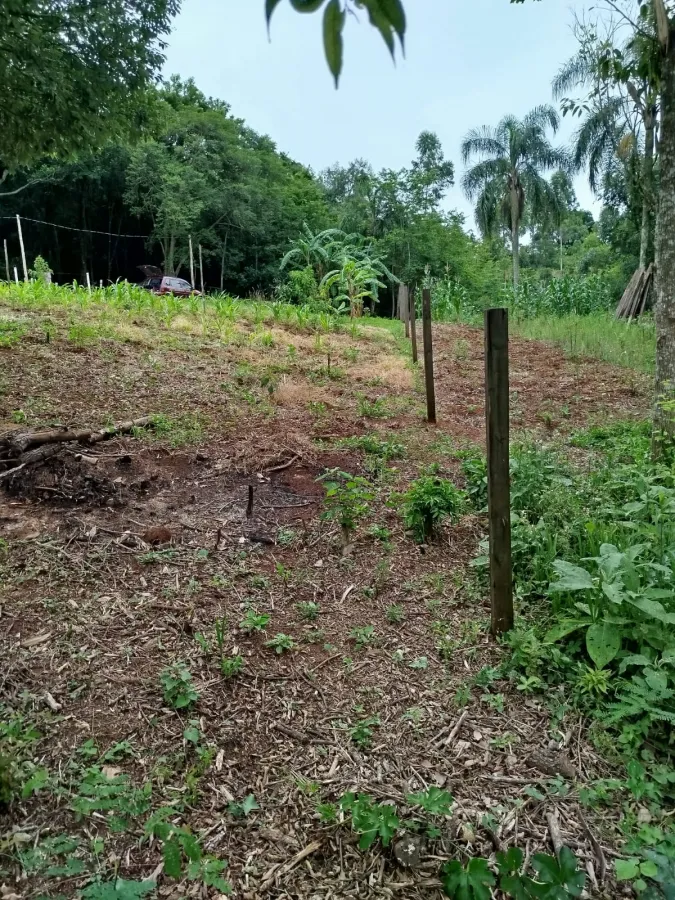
<point x="16" y="275"/>
<point x="23" y="252"/>
<point x="499" y="494"/>
<point x="428" y="356"/>
<point x="413" y="325"/>
<point x="9" y="277"/>
<point x="192" y="264"/>
<point x="88" y="282"/>
<point x="406" y="310"/>
<point x="201" y="270"/>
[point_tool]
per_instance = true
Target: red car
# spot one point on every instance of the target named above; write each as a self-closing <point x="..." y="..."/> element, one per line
<point x="165" y="284"/>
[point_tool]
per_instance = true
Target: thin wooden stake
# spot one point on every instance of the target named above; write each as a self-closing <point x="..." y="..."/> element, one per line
<point x="192" y="264"/>
<point x="413" y="325"/>
<point x="9" y="277"/>
<point x="499" y="493"/>
<point x="88" y="282"/>
<point x="201" y="269"/>
<point x="406" y="310"/>
<point x="16" y="275"/>
<point x="23" y="251"/>
<point x="428" y="356"/>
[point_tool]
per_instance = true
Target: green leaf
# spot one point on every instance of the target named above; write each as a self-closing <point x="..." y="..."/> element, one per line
<point x="472" y="883"/>
<point x="191" y="734"/>
<point x="562" y="629"/>
<point x="270" y="6"/>
<point x="627" y="869"/>
<point x="653" y="609"/>
<point x="393" y="10"/>
<point x="249" y="804"/>
<point x="603" y="642"/>
<point x="118" y="890"/>
<point x="333" y="26"/>
<point x="172" y="858"/>
<point x="306" y="6"/>
<point x="572" y="578"/>
<point x="421" y="663"/>
<point x="649" y="869"/>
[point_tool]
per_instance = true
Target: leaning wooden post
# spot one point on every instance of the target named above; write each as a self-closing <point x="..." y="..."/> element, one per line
<point x="499" y="494"/>
<point x="9" y="277"/>
<point x="23" y="251"/>
<point x="428" y="356"/>
<point x="413" y="325"/>
<point x="16" y="275"/>
<point x="192" y="263"/>
<point x="88" y="282"/>
<point x="201" y="269"/>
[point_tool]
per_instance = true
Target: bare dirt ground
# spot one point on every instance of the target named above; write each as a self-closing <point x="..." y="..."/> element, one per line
<point x="95" y="605"/>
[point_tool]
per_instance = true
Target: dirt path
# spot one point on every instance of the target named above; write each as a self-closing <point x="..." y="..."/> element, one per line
<point x="388" y="688"/>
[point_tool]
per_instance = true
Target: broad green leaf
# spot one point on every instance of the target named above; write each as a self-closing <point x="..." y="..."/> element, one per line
<point x="649" y="869"/>
<point x="635" y="660"/>
<point x="572" y="578"/>
<point x="333" y="25"/>
<point x="603" y="642"/>
<point x="562" y="629"/>
<point x="613" y="592"/>
<point x="627" y="869"/>
<point x="172" y="858"/>
<point x="653" y="609"/>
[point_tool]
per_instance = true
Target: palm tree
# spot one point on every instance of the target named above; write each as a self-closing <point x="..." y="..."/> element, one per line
<point x="621" y="116"/>
<point x="507" y="173"/>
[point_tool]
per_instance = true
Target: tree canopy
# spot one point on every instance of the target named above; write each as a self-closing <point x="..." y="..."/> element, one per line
<point x="74" y="73"/>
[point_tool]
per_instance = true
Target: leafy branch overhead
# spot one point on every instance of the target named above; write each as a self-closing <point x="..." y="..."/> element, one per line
<point x="388" y="16"/>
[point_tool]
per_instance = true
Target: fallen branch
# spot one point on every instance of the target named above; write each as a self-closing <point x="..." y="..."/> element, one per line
<point x="30" y="448"/>
<point x="22" y="442"/>
<point x="554" y="831"/>
<point x="291" y="864"/>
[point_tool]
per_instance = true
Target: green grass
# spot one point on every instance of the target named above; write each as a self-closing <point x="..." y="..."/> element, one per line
<point x="598" y="335"/>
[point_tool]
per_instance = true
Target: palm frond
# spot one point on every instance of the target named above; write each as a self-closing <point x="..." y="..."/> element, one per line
<point x="477" y="176"/>
<point x="576" y="72"/>
<point x="480" y="142"/>
<point x="543" y="117"/>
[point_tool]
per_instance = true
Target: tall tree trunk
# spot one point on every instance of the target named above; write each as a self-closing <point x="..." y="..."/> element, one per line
<point x="515" y="237"/>
<point x="647" y="188"/>
<point x="169" y="257"/>
<point x="561" y="251"/>
<point x="664" y="309"/>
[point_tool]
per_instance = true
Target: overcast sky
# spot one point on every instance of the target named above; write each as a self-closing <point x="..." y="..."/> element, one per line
<point x="467" y="64"/>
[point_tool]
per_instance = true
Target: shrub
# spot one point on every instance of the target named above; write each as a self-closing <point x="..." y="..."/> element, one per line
<point x="429" y="502"/>
<point x="300" y="287"/>
<point x="177" y="685"/>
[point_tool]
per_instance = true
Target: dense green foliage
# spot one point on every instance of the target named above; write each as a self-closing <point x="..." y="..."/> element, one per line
<point x="75" y="73"/>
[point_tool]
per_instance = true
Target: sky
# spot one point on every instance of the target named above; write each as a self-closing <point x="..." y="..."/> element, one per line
<point x="467" y="63"/>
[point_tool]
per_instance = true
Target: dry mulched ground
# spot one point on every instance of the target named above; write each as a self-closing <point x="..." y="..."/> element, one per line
<point x="95" y="606"/>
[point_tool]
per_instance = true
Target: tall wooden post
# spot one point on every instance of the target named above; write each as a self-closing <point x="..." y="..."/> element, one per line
<point x="23" y="251"/>
<point x="192" y="263"/>
<point x="9" y="277"/>
<point x="201" y="270"/>
<point x="428" y="356"/>
<point x="406" y="309"/>
<point x="413" y="325"/>
<point x="499" y="493"/>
